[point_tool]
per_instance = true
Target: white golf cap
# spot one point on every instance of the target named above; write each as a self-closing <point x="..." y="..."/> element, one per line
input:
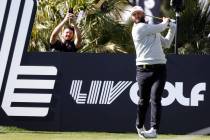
<point x="137" y="9"/>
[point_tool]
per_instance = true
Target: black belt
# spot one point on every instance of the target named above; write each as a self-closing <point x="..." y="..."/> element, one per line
<point x="151" y="66"/>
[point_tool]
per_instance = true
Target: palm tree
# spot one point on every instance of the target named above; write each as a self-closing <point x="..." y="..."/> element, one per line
<point x="101" y="28"/>
<point x="48" y="15"/>
<point x="194" y="25"/>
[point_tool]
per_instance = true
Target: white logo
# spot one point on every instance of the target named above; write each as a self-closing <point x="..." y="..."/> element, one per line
<point x="100" y="92"/>
<point x="17" y="69"/>
<point x="175" y="93"/>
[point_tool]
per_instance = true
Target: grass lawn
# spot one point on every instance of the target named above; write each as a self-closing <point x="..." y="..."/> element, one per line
<point x="19" y="134"/>
<point x="87" y="136"/>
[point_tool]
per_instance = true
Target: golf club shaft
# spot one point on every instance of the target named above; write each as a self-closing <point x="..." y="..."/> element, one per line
<point x="172" y="20"/>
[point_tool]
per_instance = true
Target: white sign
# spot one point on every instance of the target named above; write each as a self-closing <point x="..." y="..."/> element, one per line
<point x="15" y="67"/>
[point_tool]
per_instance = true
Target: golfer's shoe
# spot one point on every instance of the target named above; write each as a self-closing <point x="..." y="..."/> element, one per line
<point x="140" y="131"/>
<point x="152" y="133"/>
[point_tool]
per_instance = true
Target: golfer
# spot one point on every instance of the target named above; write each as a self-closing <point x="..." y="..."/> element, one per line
<point x="151" y="67"/>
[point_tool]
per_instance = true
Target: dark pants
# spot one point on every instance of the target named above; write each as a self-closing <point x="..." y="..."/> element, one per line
<point x="151" y="81"/>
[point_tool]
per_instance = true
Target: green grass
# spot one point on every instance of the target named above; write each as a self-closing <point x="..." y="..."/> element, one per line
<point x="11" y="133"/>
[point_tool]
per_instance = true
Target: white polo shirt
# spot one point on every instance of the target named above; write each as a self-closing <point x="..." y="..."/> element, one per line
<point x="149" y="42"/>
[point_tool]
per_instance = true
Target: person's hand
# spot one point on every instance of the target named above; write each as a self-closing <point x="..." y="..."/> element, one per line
<point x="172" y="25"/>
<point x="66" y="18"/>
<point x="72" y="19"/>
<point x="69" y="16"/>
<point x="166" y="20"/>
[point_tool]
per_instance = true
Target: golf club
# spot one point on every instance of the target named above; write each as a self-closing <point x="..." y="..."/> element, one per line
<point x="171" y="20"/>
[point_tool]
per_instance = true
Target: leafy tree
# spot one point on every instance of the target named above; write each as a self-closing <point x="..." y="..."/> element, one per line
<point x="101" y="28"/>
<point x="193" y="28"/>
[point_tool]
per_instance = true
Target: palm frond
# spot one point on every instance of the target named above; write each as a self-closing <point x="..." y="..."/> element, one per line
<point x="100" y="26"/>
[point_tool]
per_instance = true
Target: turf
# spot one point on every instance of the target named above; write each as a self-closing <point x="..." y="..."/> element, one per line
<point x="12" y="133"/>
<point x="87" y="136"/>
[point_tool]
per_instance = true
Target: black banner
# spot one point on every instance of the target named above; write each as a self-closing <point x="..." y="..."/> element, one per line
<point x="97" y="92"/>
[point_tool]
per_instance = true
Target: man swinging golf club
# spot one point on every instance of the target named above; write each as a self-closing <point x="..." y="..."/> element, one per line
<point x="151" y="67"/>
